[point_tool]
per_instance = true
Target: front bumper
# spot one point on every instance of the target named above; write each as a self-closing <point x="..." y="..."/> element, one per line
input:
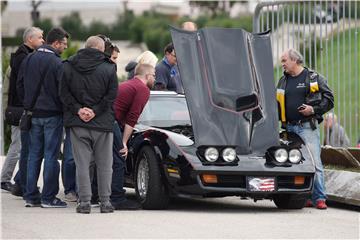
<point x="233" y="180"/>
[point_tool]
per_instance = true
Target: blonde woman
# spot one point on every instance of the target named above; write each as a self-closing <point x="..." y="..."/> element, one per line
<point x="146" y="57"/>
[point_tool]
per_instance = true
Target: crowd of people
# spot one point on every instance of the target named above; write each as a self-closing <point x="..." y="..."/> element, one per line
<point x="81" y="99"/>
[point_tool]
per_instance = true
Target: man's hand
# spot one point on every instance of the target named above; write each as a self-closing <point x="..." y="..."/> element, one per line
<point x="90" y="113"/>
<point x="86" y="114"/>
<point x="306" y="110"/>
<point x="124" y="151"/>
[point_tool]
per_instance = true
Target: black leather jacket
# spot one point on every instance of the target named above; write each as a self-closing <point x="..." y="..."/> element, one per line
<point x="319" y="95"/>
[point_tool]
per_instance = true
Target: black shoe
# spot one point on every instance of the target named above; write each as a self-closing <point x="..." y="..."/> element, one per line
<point x="7" y="186"/>
<point x="83" y="207"/>
<point x="126" y="205"/>
<point x="16" y="190"/>
<point x="55" y="203"/>
<point x="106" y="207"/>
<point x="94" y="202"/>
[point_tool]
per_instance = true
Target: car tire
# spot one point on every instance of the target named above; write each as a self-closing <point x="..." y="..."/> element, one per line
<point x="290" y="201"/>
<point x="149" y="186"/>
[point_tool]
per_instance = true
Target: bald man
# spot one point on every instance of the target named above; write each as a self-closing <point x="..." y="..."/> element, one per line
<point x="88" y="90"/>
<point x="189" y="26"/>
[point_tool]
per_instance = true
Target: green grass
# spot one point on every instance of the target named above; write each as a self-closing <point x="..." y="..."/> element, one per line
<point x="343" y="78"/>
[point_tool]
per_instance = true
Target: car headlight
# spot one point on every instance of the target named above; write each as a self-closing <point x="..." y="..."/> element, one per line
<point x="294" y="156"/>
<point x="229" y="154"/>
<point x="281" y="155"/>
<point x="211" y="154"/>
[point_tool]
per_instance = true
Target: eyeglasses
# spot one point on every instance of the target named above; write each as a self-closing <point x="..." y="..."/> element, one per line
<point x="173" y="54"/>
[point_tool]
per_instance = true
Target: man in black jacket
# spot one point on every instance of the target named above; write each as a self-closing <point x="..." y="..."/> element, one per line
<point x="303" y="97"/>
<point x="38" y="85"/>
<point x="88" y="90"/>
<point x="33" y="38"/>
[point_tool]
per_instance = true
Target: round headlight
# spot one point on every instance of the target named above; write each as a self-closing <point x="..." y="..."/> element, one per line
<point x="281" y="155"/>
<point x="294" y="156"/>
<point x="211" y="154"/>
<point x="229" y="154"/>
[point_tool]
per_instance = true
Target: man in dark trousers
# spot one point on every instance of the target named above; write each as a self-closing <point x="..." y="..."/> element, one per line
<point x="39" y="87"/>
<point x="88" y="90"/>
<point x="130" y="101"/>
<point x="33" y="38"/>
<point x="303" y="97"/>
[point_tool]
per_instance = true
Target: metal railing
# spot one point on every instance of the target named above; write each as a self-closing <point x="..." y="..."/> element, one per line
<point x="326" y="33"/>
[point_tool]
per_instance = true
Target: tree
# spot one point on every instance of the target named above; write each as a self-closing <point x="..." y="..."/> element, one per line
<point x="35" y="14"/>
<point x="44" y="24"/>
<point x="97" y="27"/>
<point x="3" y="5"/>
<point x="73" y="24"/>
<point x="120" y="29"/>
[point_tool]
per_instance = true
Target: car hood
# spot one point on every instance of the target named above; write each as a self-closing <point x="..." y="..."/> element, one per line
<point x="228" y="80"/>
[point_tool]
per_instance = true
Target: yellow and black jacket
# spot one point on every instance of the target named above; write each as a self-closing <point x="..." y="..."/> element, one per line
<point x="319" y="95"/>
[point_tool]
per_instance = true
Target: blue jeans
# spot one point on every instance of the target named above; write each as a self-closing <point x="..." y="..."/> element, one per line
<point x="312" y="139"/>
<point x="45" y="141"/>
<point x="21" y="175"/>
<point x="117" y="184"/>
<point x="68" y="166"/>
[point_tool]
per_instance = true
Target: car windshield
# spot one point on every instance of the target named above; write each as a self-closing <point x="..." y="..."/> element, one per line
<point x="165" y="111"/>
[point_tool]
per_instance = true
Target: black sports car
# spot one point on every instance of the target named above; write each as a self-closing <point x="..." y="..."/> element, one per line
<point x="223" y="138"/>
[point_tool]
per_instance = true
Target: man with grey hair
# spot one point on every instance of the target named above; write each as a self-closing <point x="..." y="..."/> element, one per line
<point x="38" y="87"/>
<point x="334" y="133"/>
<point x="88" y="90"/>
<point x="33" y="38"/>
<point x="303" y="97"/>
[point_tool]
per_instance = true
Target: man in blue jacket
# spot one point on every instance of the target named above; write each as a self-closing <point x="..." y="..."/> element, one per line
<point x="39" y="88"/>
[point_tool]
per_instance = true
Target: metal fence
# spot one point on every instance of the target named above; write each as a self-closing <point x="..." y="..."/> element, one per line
<point x="326" y="33"/>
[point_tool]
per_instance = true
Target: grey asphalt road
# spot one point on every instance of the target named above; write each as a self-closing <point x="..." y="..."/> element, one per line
<point x="219" y="218"/>
<point x="229" y="218"/>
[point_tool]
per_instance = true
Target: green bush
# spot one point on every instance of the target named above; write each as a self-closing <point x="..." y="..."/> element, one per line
<point x="11" y="41"/>
<point x="97" y="27"/>
<point x="73" y="25"/>
<point x="7" y="128"/>
<point x="71" y="50"/>
<point x="121" y="28"/>
<point x="44" y="24"/>
<point x="225" y="22"/>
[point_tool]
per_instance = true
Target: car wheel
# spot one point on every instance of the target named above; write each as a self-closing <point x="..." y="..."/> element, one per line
<point x="290" y="201"/>
<point x="148" y="184"/>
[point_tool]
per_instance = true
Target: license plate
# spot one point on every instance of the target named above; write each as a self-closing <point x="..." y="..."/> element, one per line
<point x="261" y="184"/>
